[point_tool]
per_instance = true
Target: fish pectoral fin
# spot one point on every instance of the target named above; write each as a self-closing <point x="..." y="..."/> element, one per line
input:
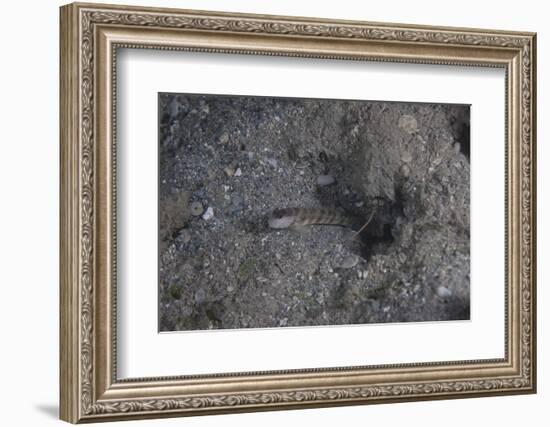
<point x="298" y="228"/>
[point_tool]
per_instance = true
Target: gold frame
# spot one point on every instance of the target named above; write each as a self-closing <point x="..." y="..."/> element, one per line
<point x="90" y="35"/>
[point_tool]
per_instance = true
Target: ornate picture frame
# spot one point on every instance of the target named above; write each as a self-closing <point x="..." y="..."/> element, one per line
<point x="90" y="37"/>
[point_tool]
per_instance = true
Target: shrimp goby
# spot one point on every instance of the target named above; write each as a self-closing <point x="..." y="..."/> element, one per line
<point x="298" y="217"/>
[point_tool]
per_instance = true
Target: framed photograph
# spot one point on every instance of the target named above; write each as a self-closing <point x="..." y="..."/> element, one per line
<point x="266" y="212"/>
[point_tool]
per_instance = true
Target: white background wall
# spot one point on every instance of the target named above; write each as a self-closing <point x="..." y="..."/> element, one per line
<point x="29" y="213"/>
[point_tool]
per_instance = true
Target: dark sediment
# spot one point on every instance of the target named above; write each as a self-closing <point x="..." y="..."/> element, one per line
<point x="242" y="157"/>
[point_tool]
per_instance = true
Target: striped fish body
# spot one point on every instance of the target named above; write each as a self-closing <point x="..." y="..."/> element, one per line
<point x="299" y="217"/>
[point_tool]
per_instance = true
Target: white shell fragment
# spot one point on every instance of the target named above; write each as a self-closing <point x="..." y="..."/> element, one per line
<point x="443" y="292"/>
<point x="324" y="180"/>
<point x="209" y="214"/>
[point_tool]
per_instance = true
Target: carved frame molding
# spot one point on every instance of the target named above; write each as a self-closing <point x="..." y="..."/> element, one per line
<point x="90" y="36"/>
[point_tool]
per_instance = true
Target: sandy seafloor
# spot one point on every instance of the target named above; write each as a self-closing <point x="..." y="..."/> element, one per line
<point x="226" y="162"/>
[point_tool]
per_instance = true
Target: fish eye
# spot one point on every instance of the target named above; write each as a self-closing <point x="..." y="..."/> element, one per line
<point x="278" y="213"/>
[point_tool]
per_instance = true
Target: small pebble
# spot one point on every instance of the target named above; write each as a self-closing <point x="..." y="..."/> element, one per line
<point x="324" y="180"/>
<point x="196" y="208"/>
<point x="209" y="214"/>
<point x="272" y="162"/>
<point x="408" y="123"/>
<point x="238" y="172"/>
<point x="224" y="138"/>
<point x="349" y="262"/>
<point x="443" y="292"/>
<point x="406" y="156"/>
<point x="185" y="236"/>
